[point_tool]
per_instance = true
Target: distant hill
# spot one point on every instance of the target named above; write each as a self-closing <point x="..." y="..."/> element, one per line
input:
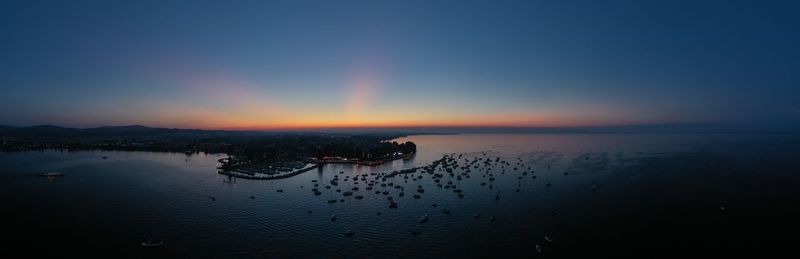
<point x="260" y="144"/>
<point x="138" y="131"/>
<point x="107" y="131"/>
<point x="142" y="131"/>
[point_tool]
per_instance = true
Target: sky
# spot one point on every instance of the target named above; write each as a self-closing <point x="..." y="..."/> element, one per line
<point x="312" y="64"/>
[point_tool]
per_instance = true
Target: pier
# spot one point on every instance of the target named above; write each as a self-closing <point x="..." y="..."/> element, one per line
<point x="236" y="174"/>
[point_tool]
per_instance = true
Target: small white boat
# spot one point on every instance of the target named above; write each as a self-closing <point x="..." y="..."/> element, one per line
<point x="53" y="174"/>
<point x="152" y="243"/>
<point x="423" y="219"/>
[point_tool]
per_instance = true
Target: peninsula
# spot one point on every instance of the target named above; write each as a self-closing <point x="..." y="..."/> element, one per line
<point x="250" y="154"/>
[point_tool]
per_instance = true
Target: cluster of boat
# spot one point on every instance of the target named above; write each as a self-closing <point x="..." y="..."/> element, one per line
<point x="446" y="173"/>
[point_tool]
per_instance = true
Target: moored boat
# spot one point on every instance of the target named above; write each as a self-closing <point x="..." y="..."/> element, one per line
<point x="152" y="243"/>
<point x="53" y="174"/>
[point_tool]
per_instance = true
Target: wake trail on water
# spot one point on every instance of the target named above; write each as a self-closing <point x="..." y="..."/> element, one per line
<point x="192" y="193"/>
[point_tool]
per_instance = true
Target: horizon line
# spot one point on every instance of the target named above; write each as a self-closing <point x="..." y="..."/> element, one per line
<point x="719" y="127"/>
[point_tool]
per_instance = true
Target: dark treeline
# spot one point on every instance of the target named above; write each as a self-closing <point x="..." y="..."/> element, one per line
<point x="253" y="145"/>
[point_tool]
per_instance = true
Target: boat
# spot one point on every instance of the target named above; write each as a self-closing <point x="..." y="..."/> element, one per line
<point x="152" y="243"/>
<point x="53" y="174"/>
<point x="423" y="219"/>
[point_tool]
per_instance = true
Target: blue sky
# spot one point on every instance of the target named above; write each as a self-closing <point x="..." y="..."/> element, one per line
<point x="296" y="64"/>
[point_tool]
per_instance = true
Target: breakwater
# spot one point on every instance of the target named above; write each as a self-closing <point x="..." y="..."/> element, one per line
<point x="268" y="177"/>
<point x="253" y="176"/>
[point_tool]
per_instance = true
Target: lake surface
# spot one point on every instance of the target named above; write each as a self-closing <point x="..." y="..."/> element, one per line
<point x="593" y="194"/>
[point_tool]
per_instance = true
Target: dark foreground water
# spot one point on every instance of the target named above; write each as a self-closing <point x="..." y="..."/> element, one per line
<point x="655" y="195"/>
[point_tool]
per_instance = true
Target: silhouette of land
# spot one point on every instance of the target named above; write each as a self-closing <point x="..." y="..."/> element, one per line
<point x="243" y="147"/>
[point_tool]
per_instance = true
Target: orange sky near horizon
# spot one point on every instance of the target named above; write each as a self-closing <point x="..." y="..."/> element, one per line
<point x="249" y="118"/>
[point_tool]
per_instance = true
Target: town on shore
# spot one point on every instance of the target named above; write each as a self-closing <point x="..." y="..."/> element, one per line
<point x="250" y="154"/>
<point x="268" y="170"/>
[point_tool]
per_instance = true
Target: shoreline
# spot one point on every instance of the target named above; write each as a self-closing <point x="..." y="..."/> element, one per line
<point x="370" y="162"/>
<point x="234" y="173"/>
<point x="269" y="177"/>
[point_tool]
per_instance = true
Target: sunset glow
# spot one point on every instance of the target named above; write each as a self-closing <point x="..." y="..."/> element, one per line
<point x="333" y="65"/>
<point x="399" y="129"/>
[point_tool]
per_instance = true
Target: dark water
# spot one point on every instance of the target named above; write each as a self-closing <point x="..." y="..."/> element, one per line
<point x="656" y="195"/>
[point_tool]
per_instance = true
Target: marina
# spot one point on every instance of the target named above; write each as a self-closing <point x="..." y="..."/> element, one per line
<point x="492" y="196"/>
<point x="273" y="171"/>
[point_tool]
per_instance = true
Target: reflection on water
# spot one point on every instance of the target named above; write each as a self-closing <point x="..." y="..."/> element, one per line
<point x="602" y="194"/>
